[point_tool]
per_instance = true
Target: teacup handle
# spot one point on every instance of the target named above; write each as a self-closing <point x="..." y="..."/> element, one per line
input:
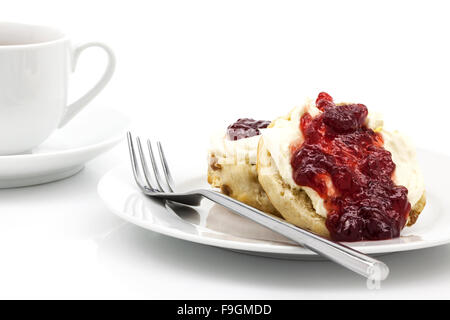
<point x="75" y="107"/>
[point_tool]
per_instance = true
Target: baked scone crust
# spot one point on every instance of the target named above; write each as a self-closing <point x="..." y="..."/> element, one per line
<point x="239" y="181"/>
<point x="416" y="210"/>
<point x="294" y="205"/>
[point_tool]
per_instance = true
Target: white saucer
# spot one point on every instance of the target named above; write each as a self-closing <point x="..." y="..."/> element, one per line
<point x="211" y="224"/>
<point x="66" y="151"/>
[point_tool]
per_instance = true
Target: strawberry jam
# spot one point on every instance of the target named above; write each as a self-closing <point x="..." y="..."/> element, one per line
<point x="345" y="163"/>
<point x="246" y="128"/>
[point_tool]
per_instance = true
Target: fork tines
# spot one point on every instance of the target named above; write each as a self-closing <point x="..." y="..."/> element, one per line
<point x="145" y="177"/>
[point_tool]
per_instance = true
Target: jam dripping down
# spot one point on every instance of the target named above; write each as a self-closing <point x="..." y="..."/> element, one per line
<point x="345" y="163"/>
<point x="246" y="128"/>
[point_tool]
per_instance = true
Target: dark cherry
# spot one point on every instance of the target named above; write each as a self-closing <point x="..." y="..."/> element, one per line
<point x="246" y="128"/>
<point x="365" y="204"/>
<point x="346" y="118"/>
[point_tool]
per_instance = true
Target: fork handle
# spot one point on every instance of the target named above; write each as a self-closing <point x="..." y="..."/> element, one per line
<point x="339" y="253"/>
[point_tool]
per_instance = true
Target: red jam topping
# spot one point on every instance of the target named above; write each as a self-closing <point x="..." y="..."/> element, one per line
<point x="345" y="163"/>
<point x="246" y="128"/>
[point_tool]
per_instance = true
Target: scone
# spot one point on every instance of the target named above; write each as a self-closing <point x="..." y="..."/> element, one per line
<point x="334" y="170"/>
<point x="232" y="163"/>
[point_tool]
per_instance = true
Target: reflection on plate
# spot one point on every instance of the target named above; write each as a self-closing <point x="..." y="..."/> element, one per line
<point x="213" y="225"/>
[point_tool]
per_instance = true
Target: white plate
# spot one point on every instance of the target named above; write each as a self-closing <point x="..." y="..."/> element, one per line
<point x="65" y="152"/>
<point x="213" y="225"/>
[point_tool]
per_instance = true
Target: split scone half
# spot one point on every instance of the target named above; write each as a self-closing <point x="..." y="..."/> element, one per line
<point x="232" y="164"/>
<point x="317" y="194"/>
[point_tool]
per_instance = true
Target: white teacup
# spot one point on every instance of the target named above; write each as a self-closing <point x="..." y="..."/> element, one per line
<point x="35" y="62"/>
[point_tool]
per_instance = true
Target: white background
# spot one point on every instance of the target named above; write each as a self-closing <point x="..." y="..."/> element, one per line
<point x="187" y="67"/>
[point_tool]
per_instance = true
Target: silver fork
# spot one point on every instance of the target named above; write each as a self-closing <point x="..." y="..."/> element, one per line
<point x="164" y="189"/>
